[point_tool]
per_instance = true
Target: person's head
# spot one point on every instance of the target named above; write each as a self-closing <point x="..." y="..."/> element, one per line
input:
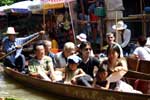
<point x="120" y="26"/>
<point x="73" y="62"/>
<point x="47" y="45"/>
<point x="110" y="37"/>
<point x="114" y="52"/>
<point x="69" y="49"/>
<point x="81" y="37"/>
<point x="142" y="40"/>
<point x="102" y="73"/>
<point x="11" y="33"/>
<point x="39" y="50"/>
<point x="85" y="48"/>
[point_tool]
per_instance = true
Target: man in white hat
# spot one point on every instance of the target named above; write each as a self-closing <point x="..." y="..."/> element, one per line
<point x="16" y="59"/>
<point x="124" y="35"/>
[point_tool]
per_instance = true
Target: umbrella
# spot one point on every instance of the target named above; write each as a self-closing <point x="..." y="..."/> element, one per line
<point x="35" y="6"/>
<point x="19" y="7"/>
<point x="2" y="8"/>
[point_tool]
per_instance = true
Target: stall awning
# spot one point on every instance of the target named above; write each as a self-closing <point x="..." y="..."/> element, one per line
<point x="54" y="4"/>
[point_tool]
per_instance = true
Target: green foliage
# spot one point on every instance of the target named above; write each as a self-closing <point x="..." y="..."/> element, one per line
<point x="11" y="98"/>
<point x="6" y="2"/>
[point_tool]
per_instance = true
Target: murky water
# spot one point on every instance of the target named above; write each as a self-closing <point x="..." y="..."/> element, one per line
<point x="11" y="88"/>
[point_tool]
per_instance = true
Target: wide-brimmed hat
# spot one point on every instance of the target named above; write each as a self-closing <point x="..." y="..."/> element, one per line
<point x="73" y="59"/>
<point x="11" y="30"/>
<point x="82" y="37"/>
<point x="119" y="26"/>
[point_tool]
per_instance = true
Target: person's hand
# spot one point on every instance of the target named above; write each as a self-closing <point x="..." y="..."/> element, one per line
<point x="18" y="47"/>
<point x="117" y="69"/>
<point x="42" y="32"/>
<point x="73" y="81"/>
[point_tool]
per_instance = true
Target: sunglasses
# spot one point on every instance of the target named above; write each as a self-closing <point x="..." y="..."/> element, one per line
<point x="86" y="49"/>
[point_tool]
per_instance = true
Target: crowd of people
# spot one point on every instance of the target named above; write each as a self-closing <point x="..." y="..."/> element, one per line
<point x="76" y="64"/>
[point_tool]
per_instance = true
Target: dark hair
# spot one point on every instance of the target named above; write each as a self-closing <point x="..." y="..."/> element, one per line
<point x="37" y="44"/>
<point x="84" y="44"/>
<point x="142" y="40"/>
<point x="116" y="48"/>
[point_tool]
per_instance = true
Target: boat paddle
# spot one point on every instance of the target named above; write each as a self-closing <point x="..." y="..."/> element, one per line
<point x="116" y="76"/>
<point x="16" y="49"/>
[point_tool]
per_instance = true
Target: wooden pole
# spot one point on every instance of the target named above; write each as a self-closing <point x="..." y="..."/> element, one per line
<point x="74" y="35"/>
<point x="116" y="19"/>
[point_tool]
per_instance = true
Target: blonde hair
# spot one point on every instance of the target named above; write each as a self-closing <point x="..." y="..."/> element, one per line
<point x="69" y="45"/>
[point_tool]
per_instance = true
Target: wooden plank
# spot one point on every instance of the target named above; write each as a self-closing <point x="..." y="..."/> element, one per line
<point x="144" y="66"/>
<point x="132" y="63"/>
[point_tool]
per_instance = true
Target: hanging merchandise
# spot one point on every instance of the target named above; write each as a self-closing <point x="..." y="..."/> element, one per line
<point x="100" y="11"/>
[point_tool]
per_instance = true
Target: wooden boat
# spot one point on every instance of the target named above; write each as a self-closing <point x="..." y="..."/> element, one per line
<point x="74" y="91"/>
<point x="138" y="65"/>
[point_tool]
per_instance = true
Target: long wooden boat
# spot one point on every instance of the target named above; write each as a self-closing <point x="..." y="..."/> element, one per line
<point x="74" y="91"/>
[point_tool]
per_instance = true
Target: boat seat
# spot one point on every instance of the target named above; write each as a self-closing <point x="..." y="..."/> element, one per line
<point x="144" y="66"/>
<point x="132" y="63"/>
<point x="138" y="84"/>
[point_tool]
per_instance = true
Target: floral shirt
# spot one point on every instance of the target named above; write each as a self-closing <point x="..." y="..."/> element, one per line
<point x="45" y="63"/>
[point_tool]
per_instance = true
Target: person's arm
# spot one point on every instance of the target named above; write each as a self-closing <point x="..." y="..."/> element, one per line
<point x="122" y="66"/>
<point x="7" y="47"/>
<point x="94" y="82"/>
<point x="106" y="86"/>
<point x="51" y="69"/>
<point x="127" y="37"/>
<point x="81" y="73"/>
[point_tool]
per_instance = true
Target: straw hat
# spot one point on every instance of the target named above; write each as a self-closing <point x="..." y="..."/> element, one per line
<point x="82" y="37"/>
<point x="11" y="30"/>
<point x="119" y="26"/>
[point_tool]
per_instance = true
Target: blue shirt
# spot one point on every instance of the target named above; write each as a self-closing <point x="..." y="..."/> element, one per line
<point x="11" y="45"/>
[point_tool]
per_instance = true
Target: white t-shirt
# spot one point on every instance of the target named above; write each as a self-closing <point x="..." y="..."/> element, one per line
<point x="143" y="53"/>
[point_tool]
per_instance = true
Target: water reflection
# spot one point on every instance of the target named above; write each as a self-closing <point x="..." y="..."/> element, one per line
<point x="11" y="88"/>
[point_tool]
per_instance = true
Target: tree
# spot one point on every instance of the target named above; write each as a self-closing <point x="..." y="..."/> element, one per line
<point x="6" y="2"/>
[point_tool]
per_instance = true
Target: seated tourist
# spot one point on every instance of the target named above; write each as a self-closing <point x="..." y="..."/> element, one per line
<point x="105" y="77"/>
<point x="72" y="72"/>
<point x="41" y="65"/>
<point x="141" y="52"/>
<point x="75" y="75"/>
<point x="89" y="64"/>
<point x="61" y="57"/>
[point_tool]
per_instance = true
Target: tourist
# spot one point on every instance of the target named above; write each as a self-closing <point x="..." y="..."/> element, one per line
<point x="48" y="46"/>
<point x="72" y="72"/>
<point x="41" y="65"/>
<point x="89" y="63"/>
<point x="142" y="52"/>
<point x="82" y="38"/>
<point x="61" y="57"/>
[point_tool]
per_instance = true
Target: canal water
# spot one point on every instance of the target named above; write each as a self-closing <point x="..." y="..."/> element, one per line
<point x="12" y="89"/>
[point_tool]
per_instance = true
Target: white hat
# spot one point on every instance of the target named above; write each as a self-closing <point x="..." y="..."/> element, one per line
<point x="11" y="30"/>
<point x="82" y="37"/>
<point x="119" y="26"/>
<point x="74" y="59"/>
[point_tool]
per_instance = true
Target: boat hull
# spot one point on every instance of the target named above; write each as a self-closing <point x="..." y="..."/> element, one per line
<point x="78" y="92"/>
